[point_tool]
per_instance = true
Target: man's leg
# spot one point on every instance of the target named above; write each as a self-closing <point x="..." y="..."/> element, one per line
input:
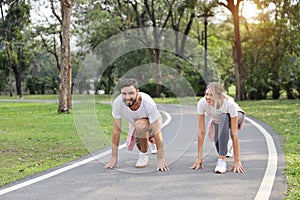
<point x="142" y="132"/>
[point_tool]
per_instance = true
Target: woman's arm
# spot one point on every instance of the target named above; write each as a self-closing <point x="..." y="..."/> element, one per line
<point x="237" y="165"/>
<point x="201" y="135"/>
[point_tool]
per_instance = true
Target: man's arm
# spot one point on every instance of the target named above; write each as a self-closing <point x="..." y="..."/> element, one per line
<point x="161" y="163"/>
<point x="115" y="144"/>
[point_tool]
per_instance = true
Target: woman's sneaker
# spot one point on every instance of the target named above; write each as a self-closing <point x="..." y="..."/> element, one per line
<point x="229" y="149"/>
<point x="221" y="166"/>
<point x="153" y="148"/>
<point x="142" y="161"/>
<point x="230" y="153"/>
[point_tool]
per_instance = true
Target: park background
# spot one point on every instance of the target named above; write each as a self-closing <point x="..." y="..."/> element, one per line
<point x="253" y="44"/>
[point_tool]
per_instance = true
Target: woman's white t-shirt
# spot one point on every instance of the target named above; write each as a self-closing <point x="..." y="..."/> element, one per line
<point x="229" y="106"/>
<point x="147" y="109"/>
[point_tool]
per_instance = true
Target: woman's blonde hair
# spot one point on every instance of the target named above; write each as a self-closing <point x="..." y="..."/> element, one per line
<point x="217" y="92"/>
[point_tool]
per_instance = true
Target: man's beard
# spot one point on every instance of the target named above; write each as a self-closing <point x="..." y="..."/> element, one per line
<point x="132" y="103"/>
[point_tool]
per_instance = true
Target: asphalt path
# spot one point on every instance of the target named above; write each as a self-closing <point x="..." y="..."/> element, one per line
<point x="86" y="178"/>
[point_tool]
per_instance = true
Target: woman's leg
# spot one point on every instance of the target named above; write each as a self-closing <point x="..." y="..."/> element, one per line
<point x="222" y="134"/>
<point x="216" y="137"/>
<point x="240" y="117"/>
<point x="224" y="125"/>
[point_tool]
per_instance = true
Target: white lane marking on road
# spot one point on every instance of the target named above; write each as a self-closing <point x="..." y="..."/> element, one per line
<point x="267" y="183"/>
<point x="69" y="167"/>
<point x="51" y="174"/>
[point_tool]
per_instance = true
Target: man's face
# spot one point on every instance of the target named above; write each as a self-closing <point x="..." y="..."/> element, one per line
<point x="129" y="95"/>
<point x="208" y="97"/>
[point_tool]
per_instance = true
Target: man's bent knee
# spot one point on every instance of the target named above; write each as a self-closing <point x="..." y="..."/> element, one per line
<point x="142" y="127"/>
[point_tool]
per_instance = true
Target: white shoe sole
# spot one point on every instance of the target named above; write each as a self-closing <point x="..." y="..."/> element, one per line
<point x="154" y="152"/>
<point x="219" y="172"/>
<point x="141" y="166"/>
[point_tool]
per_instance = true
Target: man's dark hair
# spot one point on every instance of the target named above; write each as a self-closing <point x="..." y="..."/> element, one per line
<point x="129" y="82"/>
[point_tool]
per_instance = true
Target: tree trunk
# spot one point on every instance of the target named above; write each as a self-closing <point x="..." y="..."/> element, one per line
<point x="156" y="57"/>
<point x="186" y="33"/>
<point x="239" y="64"/>
<point x="155" y="54"/>
<point x="158" y="72"/>
<point x="69" y="99"/>
<point x="8" y="49"/>
<point x="18" y="76"/>
<point x="238" y="60"/>
<point x="65" y="101"/>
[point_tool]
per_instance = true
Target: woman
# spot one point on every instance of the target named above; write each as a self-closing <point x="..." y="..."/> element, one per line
<point x="225" y="115"/>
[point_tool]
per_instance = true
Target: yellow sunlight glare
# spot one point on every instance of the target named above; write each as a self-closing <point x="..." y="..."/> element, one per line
<point x="249" y="10"/>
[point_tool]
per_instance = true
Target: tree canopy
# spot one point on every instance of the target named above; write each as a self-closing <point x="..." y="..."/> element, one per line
<point x="260" y="56"/>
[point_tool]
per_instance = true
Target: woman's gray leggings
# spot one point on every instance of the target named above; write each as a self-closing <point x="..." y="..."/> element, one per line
<point x="222" y="132"/>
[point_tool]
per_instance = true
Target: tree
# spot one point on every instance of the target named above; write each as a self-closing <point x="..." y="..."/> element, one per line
<point x="238" y="60"/>
<point x="12" y="27"/>
<point x="272" y="64"/>
<point x="58" y="34"/>
<point x="65" y="74"/>
<point x="144" y="14"/>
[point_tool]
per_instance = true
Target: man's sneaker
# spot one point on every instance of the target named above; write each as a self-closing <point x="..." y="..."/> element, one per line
<point x="142" y="161"/>
<point x="221" y="166"/>
<point x="153" y="148"/>
<point x="229" y="149"/>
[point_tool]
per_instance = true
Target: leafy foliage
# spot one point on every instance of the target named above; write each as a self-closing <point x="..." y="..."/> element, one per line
<point x="270" y="52"/>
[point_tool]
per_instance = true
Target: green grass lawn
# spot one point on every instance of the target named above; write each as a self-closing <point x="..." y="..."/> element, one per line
<point x="284" y="117"/>
<point x="34" y="137"/>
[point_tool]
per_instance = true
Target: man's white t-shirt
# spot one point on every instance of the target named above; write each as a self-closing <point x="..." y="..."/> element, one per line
<point x="147" y="109"/>
<point x="229" y="106"/>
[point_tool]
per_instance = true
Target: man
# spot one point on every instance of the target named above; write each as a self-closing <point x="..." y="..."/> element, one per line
<point x="144" y="119"/>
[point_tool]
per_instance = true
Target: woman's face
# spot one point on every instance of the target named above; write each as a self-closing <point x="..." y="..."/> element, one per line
<point x="208" y="97"/>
